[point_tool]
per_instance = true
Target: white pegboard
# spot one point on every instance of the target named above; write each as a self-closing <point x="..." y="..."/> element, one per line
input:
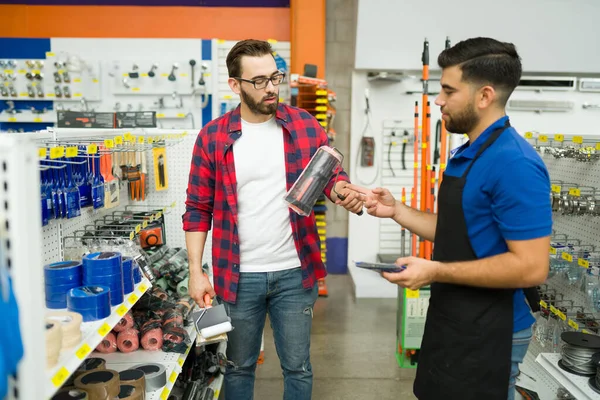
<point x="542" y="383"/>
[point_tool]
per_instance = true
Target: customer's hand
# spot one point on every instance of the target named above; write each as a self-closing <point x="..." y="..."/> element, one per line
<point x="199" y="286"/>
<point x="352" y="202"/>
<point x="379" y="202"/>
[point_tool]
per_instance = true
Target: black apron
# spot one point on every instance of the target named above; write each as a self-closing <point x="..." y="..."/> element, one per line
<point x="467" y="343"/>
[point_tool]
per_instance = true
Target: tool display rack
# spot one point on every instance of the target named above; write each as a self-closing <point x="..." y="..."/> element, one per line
<point x="312" y="95"/>
<point x="27" y="246"/>
<point x="574" y="166"/>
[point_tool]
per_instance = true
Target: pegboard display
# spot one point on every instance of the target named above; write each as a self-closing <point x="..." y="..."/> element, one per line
<point x="50" y="79"/>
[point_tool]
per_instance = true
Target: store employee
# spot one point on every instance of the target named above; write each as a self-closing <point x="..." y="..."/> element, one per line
<point x="491" y="234"/>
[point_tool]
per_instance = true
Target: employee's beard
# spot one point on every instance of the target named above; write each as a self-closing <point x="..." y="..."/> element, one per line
<point x="261" y="107"/>
<point x="463" y="122"/>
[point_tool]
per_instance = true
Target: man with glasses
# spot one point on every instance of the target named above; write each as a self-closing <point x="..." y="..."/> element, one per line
<point x="266" y="258"/>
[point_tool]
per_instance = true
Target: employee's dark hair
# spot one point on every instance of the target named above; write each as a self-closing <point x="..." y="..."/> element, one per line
<point x="486" y="61"/>
<point x="248" y="47"/>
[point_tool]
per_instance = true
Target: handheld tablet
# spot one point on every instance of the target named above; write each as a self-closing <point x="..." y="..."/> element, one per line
<point x="380" y="267"/>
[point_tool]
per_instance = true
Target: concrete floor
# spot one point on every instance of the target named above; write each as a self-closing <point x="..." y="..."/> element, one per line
<point x="352" y="350"/>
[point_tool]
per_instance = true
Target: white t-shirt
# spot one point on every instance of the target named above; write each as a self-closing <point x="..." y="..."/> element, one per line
<point x="264" y="228"/>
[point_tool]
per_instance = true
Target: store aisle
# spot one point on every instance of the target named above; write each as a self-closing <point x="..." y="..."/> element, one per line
<point x="352" y="350"/>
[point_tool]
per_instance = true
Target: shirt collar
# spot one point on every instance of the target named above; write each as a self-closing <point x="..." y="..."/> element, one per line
<point x="235" y="120"/>
<point x="469" y="150"/>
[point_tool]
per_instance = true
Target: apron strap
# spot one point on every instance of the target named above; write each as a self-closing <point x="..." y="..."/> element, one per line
<point x="497" y="132"/>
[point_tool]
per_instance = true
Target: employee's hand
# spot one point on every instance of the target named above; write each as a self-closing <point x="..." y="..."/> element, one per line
<point x="352" y="202"/>
<point x="379" y="202"/>
<point x="198" y="287"/>
<point x="418" y="273"/>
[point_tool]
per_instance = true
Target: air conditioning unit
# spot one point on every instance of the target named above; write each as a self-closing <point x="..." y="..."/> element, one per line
<point x="589" y="85"/>
<point x="540" y="105"/>
<point x="547" y="83"/>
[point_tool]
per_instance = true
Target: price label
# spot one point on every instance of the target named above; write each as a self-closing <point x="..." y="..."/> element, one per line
<point x="180" y="115"/>
<point x="554" y="310"/>
<point x="583" y="263"/>
<point x="77" y="95"/>
<point x="578" y="139"/>
<point x="83" y="351"/>
<point x="158" y="215"/>
<point x="145" y="224"/>
<point x="57" y="152"/>
<point x="95" y="80"/>
<point x="553" y="250"/>
<point x="543" y="304"/>
<point x="143" y="287"/>
<point x="180" y="362"/>
<point x="561" y="315"/>
<point x="173" y="377"/>
<point x="556" y="188"/>
<point x="119" y="140"/>
<point x="173" y="205"/>
<point x="131" y="235"/>
<point x="165" y="394"/>
<point x="150" y="140"/>
<point x="133" y="298"/>
<point x="573" y="324"/>
<point x="141" y="140"/>
<point x="598" y="146"/>
<point x="92" y="149"/>
<point x="109" y="143"/>
<point x="127" y="136"/>
<point x="42" y="153"/>
<point x="138" y="228"/>
<point x="12" y="119"/>
<point x="37" y="119"/>
<point x="135" y="89"/>
<point x="50" y="54"/>
<point x="72" y="152"/>
<point x="585" y="331"/>
<point x="412" y="294"/>
<point x="160" y="115"/>
<point x="575" y="192"/>
<point x="60" y="377"/>
<point x="77" y="80"/>
<point x="50" y="95"/>
<point x="104" y="329"/>
<point x="122" y="310"/>
<point x="567" y="257"/>
<point x="543" y="138"/>
<point x="152" y="217"/>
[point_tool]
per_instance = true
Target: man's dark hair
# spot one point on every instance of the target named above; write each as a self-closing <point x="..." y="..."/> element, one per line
<point x="486" y="61"/>
<point x="248" y="47"/>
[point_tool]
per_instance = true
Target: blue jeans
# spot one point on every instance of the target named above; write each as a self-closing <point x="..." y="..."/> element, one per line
<point x="520" y="345"/>
<point x="290" y="309"/>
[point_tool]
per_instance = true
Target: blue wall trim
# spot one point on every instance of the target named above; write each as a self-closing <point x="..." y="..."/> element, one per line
<point x="206" y="49"/>
<point x="189" y="3"/>
<point x="24" y="48"/>
<point x="207" y="111"/>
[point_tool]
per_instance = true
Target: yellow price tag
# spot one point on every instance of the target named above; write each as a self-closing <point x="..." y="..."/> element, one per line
<point x="133" y="298"/>
<point x="57" y="152"/>
<point x="77" y="80"/>
<point x="72" y="152"/>
<point x="180" y="115"/>
<point x="138" y="228"/>
<point x="145" y="224"/>
<point x="543" y="138"/>
<point x="165" y="394"/>
<point x="543" y="304"/>
<point x="559" y="138"/>
<point x="158" y="215"/>
<point x="127" y="136"/>
<point x="131" y="235"/>
<point x="173" y="205"/>
<point x="553" y="250"/>
<point x="556" y="188"/>
<point x="42" y="152"/>
<point x="109" y="143"/>
<point x="152" y="217"/>
<point x="160" y="115"/>
<point x="122" y="310"/>
<point x="173" y="377"/>
<point x="118" y="140"/>
<point x="150" y="140"/>
<point x="12" y="119"/>
<point x="38" y="119"/>
<point x="567" y="257"/>
<point x="83" y="351"/>
<point x="60" y="377"/>
<point x="141" y="140"/>
<point x="50" y="54"/>
<point x="180" y="362"/>
<point x="412" y="294"/>
<point x="575" y="192"/>
<point x="578" y="139"/>
<point x="561" y="315"/>
<point x="573" y="324"/>
<point x="143" y="287"/>
<point x="553" y="309"/>
<point x="583" y="263"/>
<point x="104" y="329"/>
<point x="598" y="146"/>
<point x="585" y="331"/>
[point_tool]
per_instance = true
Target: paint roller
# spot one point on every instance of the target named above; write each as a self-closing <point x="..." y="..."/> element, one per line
<point x="212" y="320"/>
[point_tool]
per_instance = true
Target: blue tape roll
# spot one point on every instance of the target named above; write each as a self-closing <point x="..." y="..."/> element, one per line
<point x="102" y="264"/>
<point x="62" y="289"/>
<point x="57" y="305"/>
<point x="93" y="314"/>
<point x="63" y="271"/>
<point x="88" y="297"/>
<point x="128" y="266"/>
<point x="109" y="280"/>
<point x="137" y="274"/>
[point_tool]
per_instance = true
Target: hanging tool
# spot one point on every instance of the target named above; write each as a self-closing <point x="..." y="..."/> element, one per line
<point x="444" y="141"/>
<point x="424" y="134"/>
<point x="404" y="144"/>
<point x="389" y="152"/>
<point x="415" y="188"/>
<point x="193" y="64"/>
<point x="151" y="73"/>
<point x="172" y="76"/>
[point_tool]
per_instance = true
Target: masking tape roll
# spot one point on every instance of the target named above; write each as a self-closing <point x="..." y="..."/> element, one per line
<point x="70" y="323"/>
<point x="128" y="392"/>
<point x="71" y="393"/>
<point x="53" y="342"/>
<point x="90" y="364"/>
<point x="128" y="281"/>
<point x="101" y="264"/>
<point x="134" y="377"/>
<point x="100" y="384"/>
<point x="63" y="272"/>
<point x="92" y="302"/>
<point x="155" y="375"/>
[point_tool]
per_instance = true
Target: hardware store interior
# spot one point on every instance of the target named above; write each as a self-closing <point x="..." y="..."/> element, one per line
<point x="299" y="199"/>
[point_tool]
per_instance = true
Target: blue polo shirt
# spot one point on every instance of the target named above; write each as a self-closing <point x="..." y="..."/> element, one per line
<point x="506" y="197"/>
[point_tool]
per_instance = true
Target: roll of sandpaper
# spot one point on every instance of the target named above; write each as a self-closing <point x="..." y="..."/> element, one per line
<point x="53" y="342"/>
<point x="134" y="377"/>
<point x="108" y="344"/>
<point x="155" y="375"/>
<point x="70" y="323"/>
<point x="100" y="385"/>
<point x="128" y="340"/>
<point x="128" y="392"/>
<point x="71" y="394"/>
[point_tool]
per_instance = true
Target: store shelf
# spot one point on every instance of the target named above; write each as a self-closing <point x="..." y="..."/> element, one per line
<point x="534" y="377"/>
<point x="172" y="362"/>
<point x="577" y="385"/>
<point x="28" y="117"/>
<point x="92" y="334"/>
<point x="217" y="384"/>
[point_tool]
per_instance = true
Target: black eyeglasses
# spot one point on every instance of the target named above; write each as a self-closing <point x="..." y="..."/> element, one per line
<point x="261" y="83"/>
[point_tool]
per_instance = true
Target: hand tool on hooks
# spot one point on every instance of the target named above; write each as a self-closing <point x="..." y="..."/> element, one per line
<point x="135" y="74"/>
<point x="404" y="144"/>
<point x="67" y="92"/>
<point x="443" y="139"/>
<point x="193" y="65"/>
<point x="30" y="91"/>
<point x="151" y="73"/>
<point x="389" y="152"/>
<point x="172" y="76"/>
<point x="57" y="77"/>
<point x="424" y="134"/>
<point x="203" y="68"/>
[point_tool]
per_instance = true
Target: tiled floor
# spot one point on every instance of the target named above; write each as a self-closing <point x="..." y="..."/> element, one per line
<point x="352" y="351"/>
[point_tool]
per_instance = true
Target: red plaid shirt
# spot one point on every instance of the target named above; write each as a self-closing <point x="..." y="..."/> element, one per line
<point x="212" y="198"/>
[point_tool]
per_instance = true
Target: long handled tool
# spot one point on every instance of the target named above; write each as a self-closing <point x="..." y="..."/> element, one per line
<point x="444" y="139"/>
<point x="424" y="134"/>
<point x="415" y="188"/>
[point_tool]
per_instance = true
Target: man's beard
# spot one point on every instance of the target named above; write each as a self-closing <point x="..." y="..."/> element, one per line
<point x="261" y="107"/>
<point x="463" y="122"/>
